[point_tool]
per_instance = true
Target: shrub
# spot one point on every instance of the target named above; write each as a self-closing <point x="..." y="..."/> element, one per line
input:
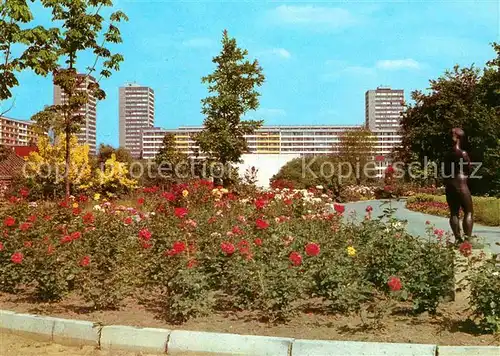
<point x="187" y="296"/>
<point x="105" y="257"/>
<point x="197" y="247"/>
<point x="484" y="296"/>
<point x="307" y="172"/>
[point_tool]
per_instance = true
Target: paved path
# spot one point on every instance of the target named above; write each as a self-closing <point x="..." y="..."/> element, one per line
<point x="22" y="346"/>
<point x="14" y="345"/>
<point x="416" y="220"/>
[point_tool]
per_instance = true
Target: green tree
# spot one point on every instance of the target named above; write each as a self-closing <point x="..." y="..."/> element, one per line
<point x="462" y="97"/>
<point x="81" y="31"/>
<point x="233" y="93"/>
<point x="170" y="160"/>
<point x="106" y="151"/>
<point x="21" y="46"/>
<point x="355" y="150"/>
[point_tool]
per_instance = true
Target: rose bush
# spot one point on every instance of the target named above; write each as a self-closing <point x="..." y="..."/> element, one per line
<point x="198" y="248"/>
<point x="485" y="295"/>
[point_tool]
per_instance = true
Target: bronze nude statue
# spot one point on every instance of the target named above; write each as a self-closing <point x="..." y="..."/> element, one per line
<point x="456" y="179"/>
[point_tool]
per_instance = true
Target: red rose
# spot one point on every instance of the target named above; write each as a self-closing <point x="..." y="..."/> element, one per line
<point x="169" y="196"/>
<point x="237" y="231"/>
<point x="339" y="208"/>
<point x="394" y="284"/>
<point x="427" y="222"/>
<point x="439" y="232"/>
<point x="13" y="199"/>
<point x="227" y="248"/>
<point x="212" y="220"/>
<point x="180" y="212"/>
<point x="178" y="247"/>
<point x="257" y="242"/>
<point x="145" y="234"/>
<point x="261" y="224"/>
<point x="389" y="170"/>
<point x="369" y="208"/>
<point x="288" y="201"/>
<point x="465" y="248"/>
<point x="85" y="261"/>
<point x="88" y="218"/>
<point x="312" y="249"/>
<point x="9" y="221"/>
<point x="47" y="217"/>
<point x="140" y="201"/>
<point x="64" y="204"/>
<point x="28" y="244"/>
<point x="1" y="246"/>
<point x="260" y="203"/>
<point x="32" y="218"/>
<point x="243" y="245"/>
<point x="127" y="220"/>
<point x="82" y="198"/>
<point x="17" y="257"/>
<point x="76" y="235"/>
<point x="295" y="258"/>
<point x="66" y="239"/>
<point x="77" y="211"/>
<point x="24" y="192"/>
<point x="25" y="226"/>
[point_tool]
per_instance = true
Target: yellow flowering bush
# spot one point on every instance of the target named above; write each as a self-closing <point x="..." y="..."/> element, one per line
<point x="113" y="179"/>
<point x="46" y="167"/>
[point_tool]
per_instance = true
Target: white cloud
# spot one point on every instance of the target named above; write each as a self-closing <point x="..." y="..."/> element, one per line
<point x="337" y="68"/>
<point x="200" y="42"/>
<point x="397" y="64"/>
<point x="281" y="52"/>
<point x="326" y="17"/>
<point x="275" y="52"/>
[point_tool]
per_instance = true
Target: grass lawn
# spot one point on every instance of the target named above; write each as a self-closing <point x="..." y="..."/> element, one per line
<point x="486" y="209"/>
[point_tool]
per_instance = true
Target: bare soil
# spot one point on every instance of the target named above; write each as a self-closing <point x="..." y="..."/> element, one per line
<point x="451" y="325"/>
<point x="22" y="346"/>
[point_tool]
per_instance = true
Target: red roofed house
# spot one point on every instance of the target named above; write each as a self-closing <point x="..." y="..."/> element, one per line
<point x="11" y="165"/>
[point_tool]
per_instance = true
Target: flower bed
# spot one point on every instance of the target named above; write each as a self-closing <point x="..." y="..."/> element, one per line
<point x="486" y="210"/>
<point x="198" y="250"/>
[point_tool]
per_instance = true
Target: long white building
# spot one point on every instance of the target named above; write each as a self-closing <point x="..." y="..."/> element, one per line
<point x="285" y="140"/>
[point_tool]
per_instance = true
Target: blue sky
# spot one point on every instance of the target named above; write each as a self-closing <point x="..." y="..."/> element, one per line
<point x="319" y="58"/>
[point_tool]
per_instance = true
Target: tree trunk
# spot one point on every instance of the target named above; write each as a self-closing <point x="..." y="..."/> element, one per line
<point x="67" y="162"/>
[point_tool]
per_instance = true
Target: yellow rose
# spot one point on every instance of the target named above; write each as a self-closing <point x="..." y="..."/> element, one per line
<point x="97" y="196"/>
<point x="185" y="193"/>
<point x="351" y="251"/>
<point x="75" y="205"/>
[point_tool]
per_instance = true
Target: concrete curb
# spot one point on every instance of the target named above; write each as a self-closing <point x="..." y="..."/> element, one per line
<point x="172" y="342"/>
<point x="354" y="348"/>
<point x="117" y="337"/>
<point x="469" y="350"/>
<point x="227" y="344"/>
